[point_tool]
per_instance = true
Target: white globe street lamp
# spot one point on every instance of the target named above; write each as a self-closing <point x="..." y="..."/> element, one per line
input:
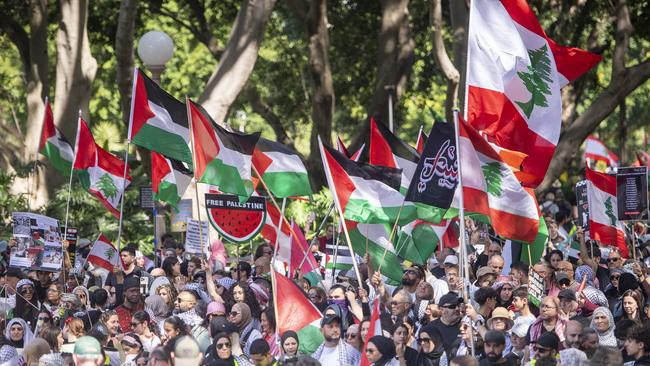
<point x="155" y="48"/>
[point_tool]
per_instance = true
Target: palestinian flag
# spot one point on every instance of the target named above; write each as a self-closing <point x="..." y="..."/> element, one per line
<point x="340" y="146"/>
<point x="281" y="168"/>
<point x="158" y="120"/>
<point x="270" y="233"/>
<point x="297" y="313"/>
<point x="53" y="145"/>
<point x="103" y="254"/>
<point x="373" y="330"/>
<point x="222" y="158"/>
<point x="342" y="254"/>
<point x="492" y="191"/>
<point x="100" y="172"/>
<point x="365" y="193"/>
<point x="422" y="138"/>
<point x="169" y="178"/>
<point x="419" y="239"/>
<point x="376" y="237"/>
<point x="299" y="246"/>
<point x="387" y="150"/>
<point x="604" y="225"/>
<point x="514" y="76"/>
<point x="597" y="151"/>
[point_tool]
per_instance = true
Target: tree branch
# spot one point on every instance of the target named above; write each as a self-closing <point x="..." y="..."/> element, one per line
<point x="266" y="111"/>
<point x="442" y="58"/>
<point x="18" y="37"/>
<point x="198" y="9"/>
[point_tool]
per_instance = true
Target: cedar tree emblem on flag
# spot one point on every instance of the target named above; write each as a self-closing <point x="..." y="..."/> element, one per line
<point x="106" y="186"/>
<point x="493" y="178"/>
<point x="536" y="80"/>
<point x="610" y="211"/>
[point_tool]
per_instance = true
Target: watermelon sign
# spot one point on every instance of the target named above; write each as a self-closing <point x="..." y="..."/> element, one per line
<point x="236" y="221"/>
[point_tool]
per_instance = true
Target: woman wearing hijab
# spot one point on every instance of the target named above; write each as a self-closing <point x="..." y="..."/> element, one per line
<point x="34" y="350"/>
<point x="289" y="345"/>
<point x="220" y="353"/>
<point x="18" y="333"/>
<point x="432" y="350"/>
<point x="380" y="351"/>
<point x="240" y="316"/>
<point x="603" y="322"/>
<point x="83" y="295"/>
<point x="157" y="308"/>
<point x="27" y="304"/>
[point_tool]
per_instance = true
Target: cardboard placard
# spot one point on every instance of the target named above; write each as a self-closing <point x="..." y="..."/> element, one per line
<point x="38" y="242"/>
<point x="193" y="237"/>
<point x="146" y="197"/>
<point x="535" y="288"/>
<point x="632" y="193"/>
<point x="181" y="215"/>
<point x="71" y="237"/>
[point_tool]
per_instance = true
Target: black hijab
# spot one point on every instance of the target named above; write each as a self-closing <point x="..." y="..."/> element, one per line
<point x="289" y="334"/>
<point x="432" y="358"/>
<point x="386" y="347"/>
<point x="212" y="357"/>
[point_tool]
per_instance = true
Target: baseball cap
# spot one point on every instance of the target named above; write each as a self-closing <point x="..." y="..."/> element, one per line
<point x="495" y="336"/>
<point x="186" y="352"/>
<point x="568" y="294"/>
<point x="549" y="340"/>
<point x="562" y="277"/>
<point x="330" y="319"/>
<point x="87" y="346"/>
<point x="483" y="271"/>
<point x="520" y="330"/>
<point x="450" y="298"/>
<point x="131" y="282"/>
<point x="451" y="259"/>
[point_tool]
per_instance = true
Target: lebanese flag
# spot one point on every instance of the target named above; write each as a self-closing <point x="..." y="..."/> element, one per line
<point x="158" y="121"/>
<point x="100" y="172"/>
<point x="373" y="330"/>
<point x="104" y="254"/>
<point x="53" y="145"/>
<point x="299" y="246"/>
<point x="515" y="73"/>
<point x="365" y="193"/>
<point x="297" y="313"/>
<point x="222" y="158"/>
<point x="422" y="138"/>
<point x="604" y="225"/>
<point x="169" y="178"/>
<point x="388" y="150"/>
<point x="491" y="189"/>
<point x="597" y="151"/>
<point x="282" y="169"/>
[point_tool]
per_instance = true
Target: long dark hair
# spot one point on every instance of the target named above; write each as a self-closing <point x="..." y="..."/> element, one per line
<point x="178" y="324"/>
<point x="249" y="299"/>
<point x="51" y="335"/>
<point x="26" y="310"/>
<point x="168" y="266"/>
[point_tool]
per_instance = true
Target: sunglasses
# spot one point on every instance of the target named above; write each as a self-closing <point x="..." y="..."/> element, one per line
<point x="611" y="260"/>
<point x="450" y="307"/>
<point x="351" y="335"/>
<point x="233" y="313"/>
<point x="541" y="349"/>
<point x="614" y="278"/>
<point x="44" y="318"/>
<point x="134" y="324"/>
<point x="26" y="290"/>
<point x="223" y="345"/>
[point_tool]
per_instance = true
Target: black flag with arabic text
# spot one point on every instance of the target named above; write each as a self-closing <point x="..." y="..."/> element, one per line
<point x="436" y="176"/>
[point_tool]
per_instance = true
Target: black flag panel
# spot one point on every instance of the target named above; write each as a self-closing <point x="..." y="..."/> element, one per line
<point x="436" y="176"/>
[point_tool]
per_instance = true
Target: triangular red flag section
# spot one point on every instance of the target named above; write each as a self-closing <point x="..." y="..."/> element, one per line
<point x="298" y="248"/>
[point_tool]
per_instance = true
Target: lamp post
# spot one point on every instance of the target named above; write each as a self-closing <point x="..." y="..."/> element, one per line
<point x="155" y="48"/>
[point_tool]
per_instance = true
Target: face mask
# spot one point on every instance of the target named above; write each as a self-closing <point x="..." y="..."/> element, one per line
<point x="342" y="303"/>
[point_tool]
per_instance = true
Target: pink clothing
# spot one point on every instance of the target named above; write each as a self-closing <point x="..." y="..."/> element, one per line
<point x="274" y="344"/>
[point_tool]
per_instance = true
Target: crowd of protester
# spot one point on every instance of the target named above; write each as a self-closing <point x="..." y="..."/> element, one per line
<point x="185" y="311"/>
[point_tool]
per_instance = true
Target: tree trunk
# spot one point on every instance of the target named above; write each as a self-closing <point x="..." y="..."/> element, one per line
<point x="124" y="45"/>
<point x="442" y="58"/>
<point x="238" y="59"/>
<point x="459" y="11"/>
<point x="313" y="14"/>
<point x="75" y="68"/>
<point x="396" y="54"/>
<point x="624" y="81"/>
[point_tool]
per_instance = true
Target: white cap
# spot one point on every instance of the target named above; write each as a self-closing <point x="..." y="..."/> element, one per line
<point x="451" y="259"/>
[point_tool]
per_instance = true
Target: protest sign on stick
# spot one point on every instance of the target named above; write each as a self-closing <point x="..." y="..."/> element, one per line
<point x="38" y="242"/>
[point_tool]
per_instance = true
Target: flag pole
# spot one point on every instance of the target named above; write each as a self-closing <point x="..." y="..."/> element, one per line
<point x="126" y="158"/>
<point x="336" y="248"/>
<point x="390" y="238"/>
<point x="74" y="153"/>
<point x="340" y="210"/>
<point x="196" y="182"/>
<point x="277" y="237"/>
<point x="461" y="215"/>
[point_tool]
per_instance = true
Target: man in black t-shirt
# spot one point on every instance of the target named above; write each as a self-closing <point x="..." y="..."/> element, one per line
<point x="449" y="322"/>
<point x="115" y="280"/>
